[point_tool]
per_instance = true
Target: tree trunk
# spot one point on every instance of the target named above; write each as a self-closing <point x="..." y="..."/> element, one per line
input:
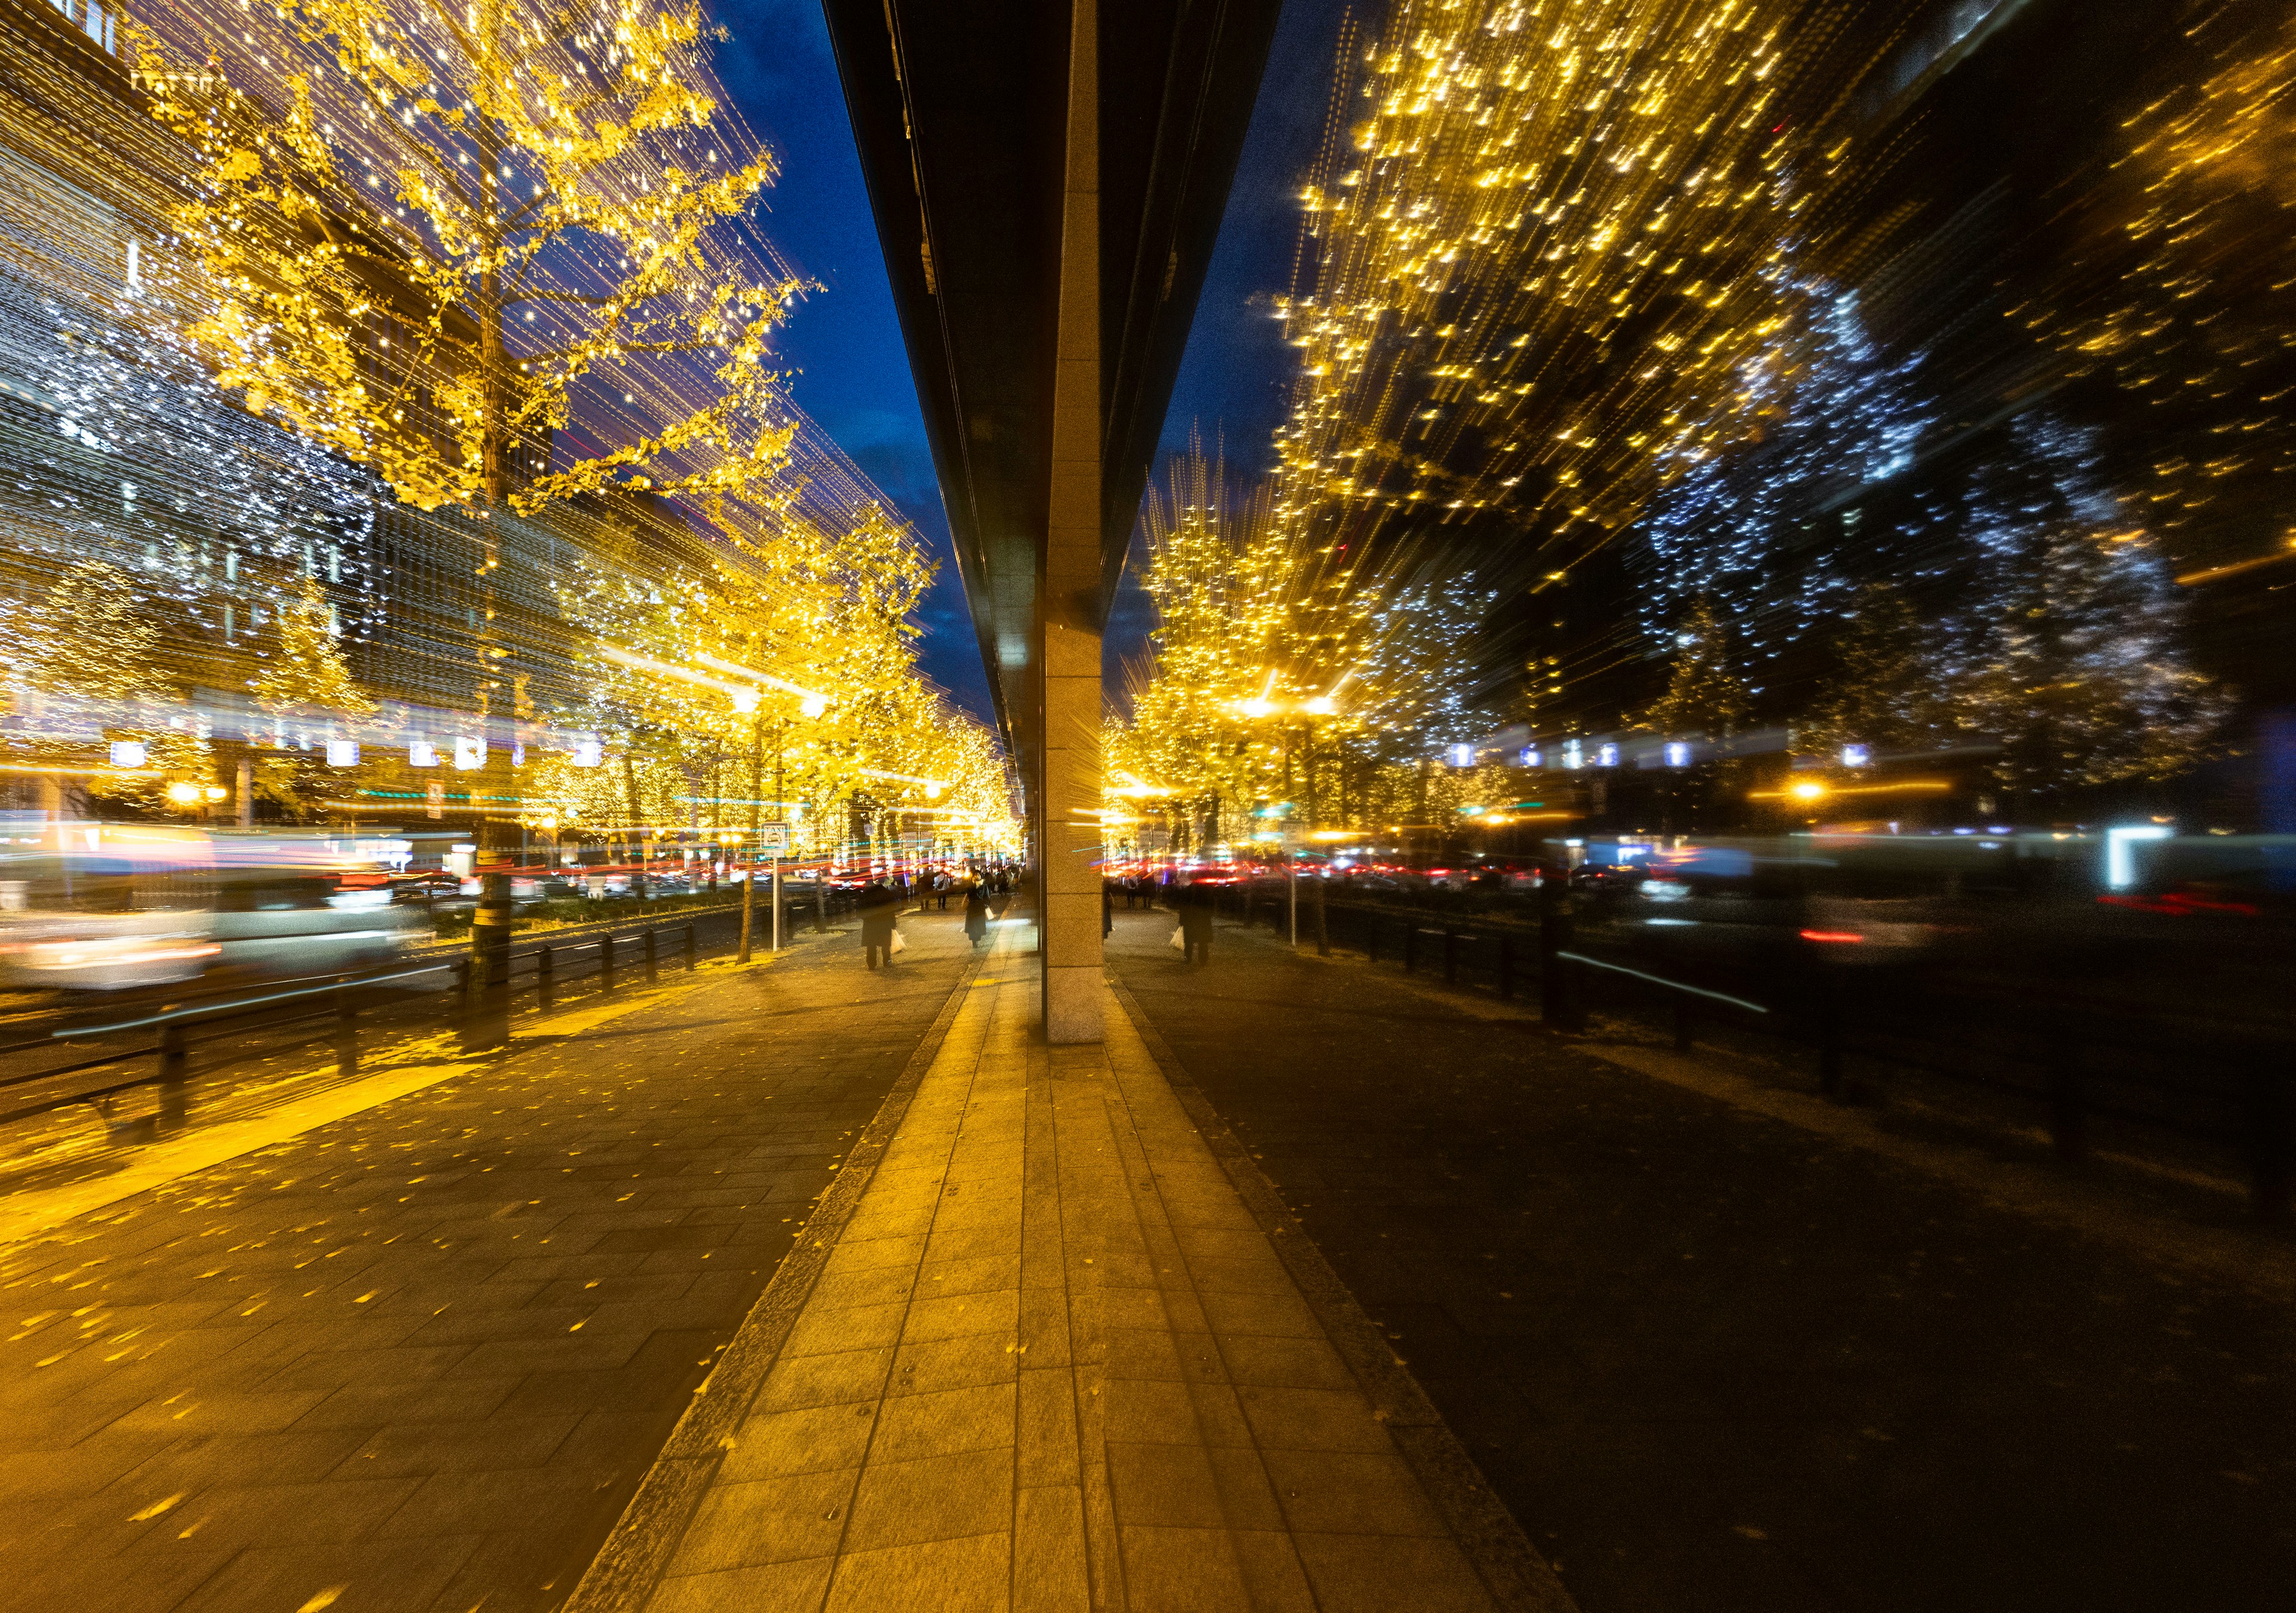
<point x="494" y="358"/>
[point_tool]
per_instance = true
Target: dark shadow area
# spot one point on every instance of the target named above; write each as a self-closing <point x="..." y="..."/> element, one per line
<point x="1713" y="1360"/>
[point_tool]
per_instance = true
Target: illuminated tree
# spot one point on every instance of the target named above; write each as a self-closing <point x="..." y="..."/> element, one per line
<point x="91" y="648"/>
<point x="2173" y="283"/>
<point x="306" y="676"/>
<point x="438" y="234"/>
<point x="1534" y="256"/>
<point x="1759" y="519"/>
<point x="308" y="673"/>
<point x="795" y="641"/>
<point x="95" y="639"/>
<point x="1891" y="687"/>
<point x="1284" y="670"/>
<point x="2073" y="656"/>
<point x="1705" y="698"/>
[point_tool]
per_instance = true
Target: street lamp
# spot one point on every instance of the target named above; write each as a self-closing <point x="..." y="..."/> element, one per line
<point x="810" y="705"/>
<point x="748" y="698"/>
<point x="1265" y="704"/>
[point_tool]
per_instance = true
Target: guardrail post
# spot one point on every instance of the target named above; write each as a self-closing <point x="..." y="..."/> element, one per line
<point x="1553" y="937"/>
<point x="488" y="1025"/>
<point x="546" y="980"/>
<point x="1829" y="1044"/>
<point x="651" y="977"/>
<point x="1506" y="967"/>
<point x="174" y="1071"/>
<point x="2272" y="1142"/>
<point x="606" y="962"/>
<point x="689" y="946"/>
<point x="2068" y="1107"/>
<point x="1450" y="955"/>
<point x="346" y="1032"/>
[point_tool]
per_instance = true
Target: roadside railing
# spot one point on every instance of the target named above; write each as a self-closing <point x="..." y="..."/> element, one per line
<point x="2075" y="1061"/>
<point x="806" y="909"/>
<point x="334" y="1009"/>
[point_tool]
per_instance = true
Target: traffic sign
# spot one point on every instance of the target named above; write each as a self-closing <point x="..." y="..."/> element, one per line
<point x="774" y="838"/>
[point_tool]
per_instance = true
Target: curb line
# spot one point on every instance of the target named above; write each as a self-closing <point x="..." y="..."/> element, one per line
<point x="1512" y="1569"/>
<point x="628" y="1566"/>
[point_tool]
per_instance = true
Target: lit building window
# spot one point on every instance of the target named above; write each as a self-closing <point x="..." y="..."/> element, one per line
<point x="93" y="18"/>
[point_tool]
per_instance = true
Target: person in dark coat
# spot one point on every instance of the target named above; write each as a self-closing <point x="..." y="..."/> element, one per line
<point x="976" y="913"/>
<point x="1195" y="905"/>
<point x="880" y="912"/>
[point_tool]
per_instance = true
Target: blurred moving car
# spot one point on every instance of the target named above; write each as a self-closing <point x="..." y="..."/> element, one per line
<point x="100" y="907"/>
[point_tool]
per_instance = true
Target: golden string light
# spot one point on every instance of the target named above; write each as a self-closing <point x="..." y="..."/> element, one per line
<point x="202" y="397"/>
<point x="1537" y="252"/>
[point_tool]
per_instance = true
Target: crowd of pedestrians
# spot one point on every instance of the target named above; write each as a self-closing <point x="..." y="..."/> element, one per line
<point x="986" y="894"/>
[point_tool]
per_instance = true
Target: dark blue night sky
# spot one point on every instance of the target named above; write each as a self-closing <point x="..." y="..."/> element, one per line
<point x="846" y="343"/>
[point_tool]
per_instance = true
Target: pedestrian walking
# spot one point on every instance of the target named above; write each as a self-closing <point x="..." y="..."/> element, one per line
<point x="880" y="911"/>
<point x="976" y="913"/>
<point x="1194" y="903"/>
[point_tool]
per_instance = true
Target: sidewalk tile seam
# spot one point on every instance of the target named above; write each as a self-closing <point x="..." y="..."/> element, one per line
<point x="628" y="1568"/>
<point x="1512" y="1572"/>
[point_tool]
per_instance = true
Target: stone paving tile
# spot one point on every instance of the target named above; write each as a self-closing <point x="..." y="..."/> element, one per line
<point x="1053" y="1363"/>
<point x="377" y="1577"/>
<point x="791" y="1587"/>
<point x="969" y="1575"/>
<point x="367" y="1356"/>
<point x="784" y="1520"/>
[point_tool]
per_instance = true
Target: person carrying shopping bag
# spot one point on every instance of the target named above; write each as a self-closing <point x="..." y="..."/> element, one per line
<point x="1194" y="901"/>
<point x="880" y="911"/>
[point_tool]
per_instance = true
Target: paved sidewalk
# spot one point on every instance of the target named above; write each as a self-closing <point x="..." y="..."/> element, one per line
<point x="1050" y="1357"/>
<point x="1718" y="1357"/>
<point x="417" y="1359"/>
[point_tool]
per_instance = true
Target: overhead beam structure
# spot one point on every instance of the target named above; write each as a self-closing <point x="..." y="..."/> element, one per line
<point x="1048" y="177"/>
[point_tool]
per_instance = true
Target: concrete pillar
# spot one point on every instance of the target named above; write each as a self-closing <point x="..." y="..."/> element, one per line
<point x="246" y="792"/>
<point x="1068" y="611"/>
